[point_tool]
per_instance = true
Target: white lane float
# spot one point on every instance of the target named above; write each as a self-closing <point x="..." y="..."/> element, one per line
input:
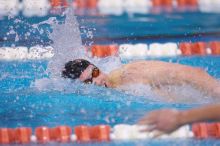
<point x="129" y="51"/>
<point x="9" y="7"/>
<point x="17" y="53"/>
<point x="128" y="132"/>
<point x="37" y="52"/>
<point x="209" y="6"/>
<point x="35" y="7"/>
<point x="132" y="132"/>
<point x="163" y="50"/>
<point x="137" y="6"/>
<point x="23" y="53"/>
<point x="115" y="7"/>
<point x="182" y="132"/>
<point x="171" y="49"/>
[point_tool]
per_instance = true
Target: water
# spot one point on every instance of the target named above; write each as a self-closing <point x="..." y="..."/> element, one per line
<point x="32" y="94"/>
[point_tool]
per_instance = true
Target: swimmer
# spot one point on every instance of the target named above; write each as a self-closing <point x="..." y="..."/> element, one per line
<point x="154" y="73"/>
<point x="168" y="120"/>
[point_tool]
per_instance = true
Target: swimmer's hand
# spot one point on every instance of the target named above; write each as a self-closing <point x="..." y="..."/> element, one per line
<point x="166" y="120"/>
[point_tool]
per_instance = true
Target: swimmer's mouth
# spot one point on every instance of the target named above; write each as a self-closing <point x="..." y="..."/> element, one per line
<point x="105" y="85"/>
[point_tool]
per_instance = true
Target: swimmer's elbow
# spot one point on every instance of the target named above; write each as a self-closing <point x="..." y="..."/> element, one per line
<point x="194" y="76"/>
<point x="199" y="71"/>
<point x="191" y="74"/>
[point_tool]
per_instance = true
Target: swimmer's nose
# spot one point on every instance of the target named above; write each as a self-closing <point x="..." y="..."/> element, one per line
<point x="97" y="81"/>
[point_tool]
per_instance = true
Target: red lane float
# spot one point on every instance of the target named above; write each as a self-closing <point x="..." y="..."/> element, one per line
<point x="7" y="136"/>
<point x="100" y="133"/>
<point x="58" y="3"/>
<point x="104" y="50"/>
<point x="214" y="130"/>
<point x="206" y="130"/>
<point x="61" y="134"/>
<point x="85" y="3"/>
<point x="94" y="133"/>
<point x="183" y="3"/>
<point x="43" y="134"/>
<point x="215" y="48"/>
<point x="159" y="3"/>
<point x="23" y="135"/>
<point x="186" y="48"/>
<point x="200" y="130"/>
<point x="82" y="133"/>
<point x="199" y="48"/>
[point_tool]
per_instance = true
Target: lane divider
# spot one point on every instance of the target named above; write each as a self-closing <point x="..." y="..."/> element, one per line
<point x="115" y="7"/>
<point x="198" y="48"/>
<point x="61" y="134"/>
<point x="133" y="51"/>
<point x="82" y="4"/>
<point x="206" y="130"/>
<point x="59" y="3"/>
<point x="124" y="51"/>
<point x="118" y="7"/>
<point x="43" y="134"/>
<point x="170" y="49"/>
<point x="35" y="7"/>
<point x="102" y="133"/>
<point x="215" y="48"/>
<point x="103" y="50"/>
<point x="23" y="135"/>
<point x="166" y="3"/>
<point x="83" y="134"/>
<point x="183" y="3"/>
<point x="7" y="135"/>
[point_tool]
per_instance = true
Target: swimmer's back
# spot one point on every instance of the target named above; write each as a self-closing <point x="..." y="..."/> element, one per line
<point x="148" y="72"/>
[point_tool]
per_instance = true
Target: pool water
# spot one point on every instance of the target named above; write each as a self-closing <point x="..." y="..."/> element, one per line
<point x="23" y="105"/>
<point x="28" y="98"/>
<point x="166" y="27"/>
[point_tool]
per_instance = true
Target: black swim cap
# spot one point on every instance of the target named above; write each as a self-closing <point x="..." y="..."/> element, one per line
<point x="73" y="69"/>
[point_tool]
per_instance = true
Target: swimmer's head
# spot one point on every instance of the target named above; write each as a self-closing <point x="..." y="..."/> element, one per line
<point x="73" y="69"/>
<point x="84" y="71"/>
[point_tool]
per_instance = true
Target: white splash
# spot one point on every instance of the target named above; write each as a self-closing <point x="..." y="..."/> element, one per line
<point x="68" y="46"/>
<point x="67" y="43"/>
<point x="171" y="93"/>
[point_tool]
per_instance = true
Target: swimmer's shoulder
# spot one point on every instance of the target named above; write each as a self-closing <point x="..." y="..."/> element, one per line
<point x="154" y="63"/>
<point x="114" y="77"/>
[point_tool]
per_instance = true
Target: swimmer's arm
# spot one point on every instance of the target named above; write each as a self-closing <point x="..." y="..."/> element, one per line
<point x="211" y="112"/>
<point x="173" y="119"/>
<point x="200" y="79"/>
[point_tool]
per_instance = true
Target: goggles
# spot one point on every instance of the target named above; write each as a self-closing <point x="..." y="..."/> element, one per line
<point x="95" y="73"/>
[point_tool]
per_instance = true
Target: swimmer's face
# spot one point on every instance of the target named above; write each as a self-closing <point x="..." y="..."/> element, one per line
<point x="92" y="75"/>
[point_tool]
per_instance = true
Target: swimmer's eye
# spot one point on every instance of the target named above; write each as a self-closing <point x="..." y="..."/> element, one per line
<point x="95" y="72"/>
